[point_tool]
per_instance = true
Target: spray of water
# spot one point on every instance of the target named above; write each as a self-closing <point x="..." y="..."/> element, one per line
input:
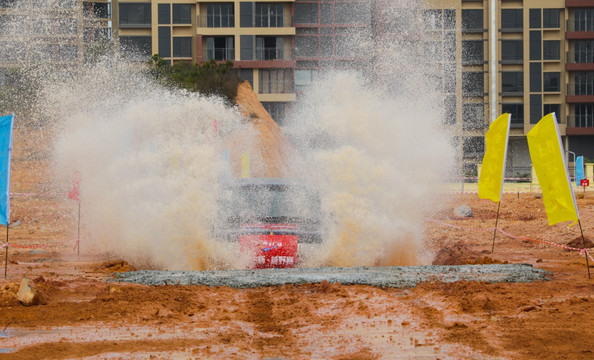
<point x="151" y="166"/>
<point x="376" y="140"/>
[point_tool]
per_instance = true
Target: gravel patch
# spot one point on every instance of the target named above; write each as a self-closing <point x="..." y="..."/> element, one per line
<point x="394" y="277"/>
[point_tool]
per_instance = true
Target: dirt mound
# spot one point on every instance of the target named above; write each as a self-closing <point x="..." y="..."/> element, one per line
<point x="456" y="254"/>
<point x="116" y="265"/>
<point x="462" y="254"/>
<point x="577" y="243"/>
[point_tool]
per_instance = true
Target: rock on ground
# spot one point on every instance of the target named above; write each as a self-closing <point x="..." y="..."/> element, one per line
<point x="28" y="295"/>
<point x="463" y="211"/>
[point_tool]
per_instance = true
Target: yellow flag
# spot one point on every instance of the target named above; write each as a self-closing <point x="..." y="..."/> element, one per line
<point x="245" y="165"/>
<point x="493" y="168"/>
<point x="546" y="151"/>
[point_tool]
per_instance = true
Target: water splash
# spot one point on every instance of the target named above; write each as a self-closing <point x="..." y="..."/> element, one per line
<point x="372" y="141"/>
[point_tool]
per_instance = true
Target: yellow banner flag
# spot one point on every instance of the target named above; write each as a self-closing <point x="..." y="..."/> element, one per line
<point x="493" y="168"/>
<point x="245" y="165"/>
<point x="546" y="151"/>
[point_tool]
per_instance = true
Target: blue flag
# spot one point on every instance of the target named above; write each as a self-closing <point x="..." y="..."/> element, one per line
<point x="5" y="150"/>
<point x="579" y="170"/>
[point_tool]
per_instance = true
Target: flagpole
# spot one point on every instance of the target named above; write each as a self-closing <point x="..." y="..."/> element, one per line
<point x="6" y="256"/>
<point x="495" y="232"/>
<point x="583" y="247"/>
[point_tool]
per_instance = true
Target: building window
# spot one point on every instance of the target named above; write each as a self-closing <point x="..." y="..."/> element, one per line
<point x="92" y="9"/>
<point x="512" y="51"/>
<point x="584" y="115"/>
<point x="551" y="50"/>
<point x="276" y="81"/>
<point x="269" y="47"/>
<point x="535" y="108"/>
<point x="306" y="46"/>
<point x="433" y="50"/>
<point x="583" y="19"/>
<point x="551" y="18"/>
<point x="433" y="19"/>
<point x="512" y="19"/>
<point x="276" y="110"/>
<point x="584" y="83"/>
<point x="449" y="19"/>
<point x="182" y="47"/>
<point x="182" y="13"/>
<point x="535" y="22"/>
<point x="517" y="113"/>
<point x="220" y="15"/>
<point x="473" y="116"/>
<point x="512" y="81"/>
<point x="473" y="83"/>
<point x="220" y="48"/>
<point x="473" y="52"/>
<point x="472" y="20"/>
<point x="535" y="77"/>
<point x="535" y="45"/>
<point x="450" y="110"/>
<point x="551" y="81"/>
<point x="449" y="78"/>
<point x="164" y="14"/>
<point x="552" y="108"/>
<point x="473" y="147"/>
<point x="304" y="79"/>
<point x="164" y="41"/>
<point x="135" y="14"/>
<point x="306" y="13"/>
<point x="349" y="13"/>
<point x="269" y="15"/>
<point x="141" y="45"/>
<point x="584" y="51"/>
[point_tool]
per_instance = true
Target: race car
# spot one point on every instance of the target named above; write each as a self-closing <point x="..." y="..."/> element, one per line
<point x="273" y="220"/>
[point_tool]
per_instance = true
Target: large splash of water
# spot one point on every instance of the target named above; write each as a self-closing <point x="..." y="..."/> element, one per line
<point x="151" y="167"/>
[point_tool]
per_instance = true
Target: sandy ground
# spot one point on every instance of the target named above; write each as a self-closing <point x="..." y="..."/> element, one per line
<point x="83" y="315"/>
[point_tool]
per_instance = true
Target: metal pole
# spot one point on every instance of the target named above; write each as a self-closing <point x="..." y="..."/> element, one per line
<point x="6" y="256"/>
<point x="584" y="247"/>
<point x="495" y="232"/>
<point x="493" y="60"/>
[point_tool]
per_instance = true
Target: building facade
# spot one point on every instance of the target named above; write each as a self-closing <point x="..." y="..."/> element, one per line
<point x="526" y="57"/>
<point x="257" y="36"/>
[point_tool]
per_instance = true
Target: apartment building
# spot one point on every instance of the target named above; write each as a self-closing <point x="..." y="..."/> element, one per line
<point x="257" y="36"/>
<point x="536" y="59"/>
<point x="526" y="57"/>
<point x="33" y="31"/>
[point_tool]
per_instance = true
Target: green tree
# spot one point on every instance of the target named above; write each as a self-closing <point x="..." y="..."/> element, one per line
<point x="210" y="78"/>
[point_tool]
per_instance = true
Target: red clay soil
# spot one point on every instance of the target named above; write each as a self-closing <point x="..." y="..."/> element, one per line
<point x="84" y="316"/>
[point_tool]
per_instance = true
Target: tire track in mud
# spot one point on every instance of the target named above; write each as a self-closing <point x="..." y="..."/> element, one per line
<point x="272" y="335"/>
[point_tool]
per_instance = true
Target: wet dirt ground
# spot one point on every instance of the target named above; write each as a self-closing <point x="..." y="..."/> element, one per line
<point x="84" y="316"/>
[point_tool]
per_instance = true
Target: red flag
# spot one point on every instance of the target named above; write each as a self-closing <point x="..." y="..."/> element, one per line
<point x="74" y="194"/>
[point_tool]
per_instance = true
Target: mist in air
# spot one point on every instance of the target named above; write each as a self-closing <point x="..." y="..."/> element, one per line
<point x="370" y="140"/>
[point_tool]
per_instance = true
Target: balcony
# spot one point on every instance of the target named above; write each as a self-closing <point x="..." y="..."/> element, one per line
<point x="580" y="93"/>
<point x="97" y="10"/>
<point x="219" y="54"/>
<point x="580" y="29"/>
<point x="580" y="124"/>
<point x="578" y="3"/>
<point x="580" y="60"/>
<point x="220" y="21"/>
<point x="273" y="54"/>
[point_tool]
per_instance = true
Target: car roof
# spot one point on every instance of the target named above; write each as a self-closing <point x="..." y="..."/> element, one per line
<point x="239" y="182"/>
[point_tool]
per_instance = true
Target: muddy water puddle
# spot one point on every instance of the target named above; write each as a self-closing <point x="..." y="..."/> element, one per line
<point x="386" y="339"/>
